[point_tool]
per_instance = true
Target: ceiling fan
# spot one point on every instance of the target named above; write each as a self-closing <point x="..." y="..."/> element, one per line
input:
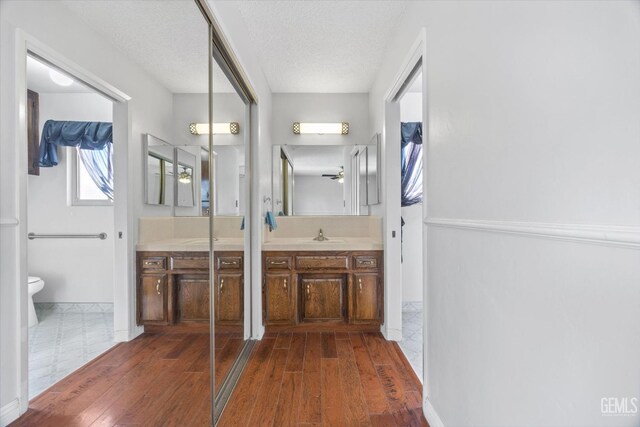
<point x="339" y="176"/>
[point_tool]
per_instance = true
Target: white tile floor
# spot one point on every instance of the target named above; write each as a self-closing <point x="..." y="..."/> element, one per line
<point x="65" y="339"/>
<point x="411" y="343"/>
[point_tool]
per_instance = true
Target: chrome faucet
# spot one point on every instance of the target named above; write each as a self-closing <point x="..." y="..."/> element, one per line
<point x="320" y="237"/>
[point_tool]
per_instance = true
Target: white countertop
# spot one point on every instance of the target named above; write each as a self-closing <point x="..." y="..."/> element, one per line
<point x="279" y="244"/>
<point x="193" y="244"/>
<point x="332" y="244"/>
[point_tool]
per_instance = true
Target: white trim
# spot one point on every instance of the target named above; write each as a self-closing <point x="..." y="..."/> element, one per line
<point x="127" y="335"/>
<point x="430" y="413"/>
<point x="10" y="412"/>
<point x="9" y="222"/>
<point x="391" y="334"/>
<point x="610" y="235"/>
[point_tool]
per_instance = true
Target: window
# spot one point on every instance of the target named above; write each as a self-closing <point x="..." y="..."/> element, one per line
<point x="84" y="190"/>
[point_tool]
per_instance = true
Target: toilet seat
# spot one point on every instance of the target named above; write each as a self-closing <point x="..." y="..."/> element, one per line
<point x="34" y="279"/>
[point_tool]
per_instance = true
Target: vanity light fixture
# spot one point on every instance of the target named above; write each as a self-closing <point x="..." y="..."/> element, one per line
<point x="184" y="177"/>
<point x="321" y="128"/>
<point x="218" y="128"/>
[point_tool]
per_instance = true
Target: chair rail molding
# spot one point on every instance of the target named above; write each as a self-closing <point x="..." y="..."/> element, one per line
<point x="608" y="235"/>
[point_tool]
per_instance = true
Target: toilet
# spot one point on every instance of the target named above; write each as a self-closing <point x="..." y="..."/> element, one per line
<point x="35" y="285"/>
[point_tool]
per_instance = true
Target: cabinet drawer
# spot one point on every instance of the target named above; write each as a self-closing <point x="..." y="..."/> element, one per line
<point x="306" y="262"/>
<point x="363" y="262"/>
<point x="154" y="263"/>
<point x="278" y="263"/>
<point x="229" y="263"/>
<point x="189" y="263"/>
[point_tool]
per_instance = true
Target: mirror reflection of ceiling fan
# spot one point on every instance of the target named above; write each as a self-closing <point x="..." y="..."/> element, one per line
<point x="339" y="176"/>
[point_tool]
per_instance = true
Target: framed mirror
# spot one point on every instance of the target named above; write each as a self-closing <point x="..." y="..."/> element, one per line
<point x="312" y="180"/>
<point x="159" y="171"/>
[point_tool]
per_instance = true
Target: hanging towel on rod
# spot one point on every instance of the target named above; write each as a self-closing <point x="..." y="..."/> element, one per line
<point x="270" y="220"/>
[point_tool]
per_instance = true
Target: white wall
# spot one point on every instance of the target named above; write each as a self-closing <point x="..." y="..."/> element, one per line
<point x="74" y="270"/>
<point x="533" y="119"/>
<point x="411" y="111"/>
<point x="315" y="195"/>
<point x="51" y="27"/>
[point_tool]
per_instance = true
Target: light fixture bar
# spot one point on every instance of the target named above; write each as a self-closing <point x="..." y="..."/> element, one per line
<point x="218" y="128"/>
<point x="321" y="128"/>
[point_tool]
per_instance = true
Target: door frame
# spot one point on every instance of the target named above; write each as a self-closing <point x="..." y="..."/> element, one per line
<point x="125" y="327"/>
<point x="415" y="59"/>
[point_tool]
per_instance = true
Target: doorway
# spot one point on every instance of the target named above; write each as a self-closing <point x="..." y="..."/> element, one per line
<point x="411" y="189"/>
<point x="406" y="246"/>
<point x="70" y="219"/>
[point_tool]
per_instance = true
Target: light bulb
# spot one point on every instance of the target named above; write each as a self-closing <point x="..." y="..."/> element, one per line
<point x="60" y="78"/>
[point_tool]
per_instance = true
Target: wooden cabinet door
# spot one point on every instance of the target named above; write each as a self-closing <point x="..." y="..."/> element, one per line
<point x="322" y="297"/>
<point x="152" y="299"/>
<point x="278" y="300"/>
<point x="229" y="298"/>
<point x="366" y="297"/>
<point x="33" y="132"/>
<point x="192" y="295"/>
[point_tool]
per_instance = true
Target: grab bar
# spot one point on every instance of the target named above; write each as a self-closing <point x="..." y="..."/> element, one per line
<point x="100" y="236"/>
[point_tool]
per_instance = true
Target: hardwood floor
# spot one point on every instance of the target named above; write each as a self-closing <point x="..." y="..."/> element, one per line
<point x="292" y="379"/>
<point x="154" y="380"/>
<point x="325" y="379"/>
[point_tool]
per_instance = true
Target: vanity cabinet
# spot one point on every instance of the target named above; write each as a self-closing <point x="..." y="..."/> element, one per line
<point x="152" y="299"/>
<point x="322" y="287"/>
<point x="322" y="298"/>
<point x="366" y="297"/>
<point x="278" y="298"/>
<point x="173" y="288"/>
<point x="229" y="298"/>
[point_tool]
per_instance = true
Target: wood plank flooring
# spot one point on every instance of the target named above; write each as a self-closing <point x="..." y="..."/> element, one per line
<point x="154" y="380"/>
<point x="317" y="379"/>
<point x="327" y="379"/>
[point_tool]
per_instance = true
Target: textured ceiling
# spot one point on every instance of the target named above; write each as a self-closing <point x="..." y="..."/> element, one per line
<point x="320" y="46"/>
<point x="38" y="80"/>
<point x="167" y="38"/>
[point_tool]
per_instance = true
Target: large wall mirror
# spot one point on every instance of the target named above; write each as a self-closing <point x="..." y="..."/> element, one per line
<point x="159" y="171"/>
<point x="325" y="179"/>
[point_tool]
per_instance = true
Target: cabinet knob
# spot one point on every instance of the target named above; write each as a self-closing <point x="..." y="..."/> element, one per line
<point x="158" y="287"/>
<point x="308" y="292"/>
<point x="221" y="284"/>
<point x="285" y="285"/>
<point x="360" y="285"/>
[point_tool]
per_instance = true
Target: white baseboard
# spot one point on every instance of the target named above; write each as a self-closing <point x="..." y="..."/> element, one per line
<point x="391" y="334"/>
<point x="9" y="412"/>
<point x="126" y="336"/>
<point x="430" y="414"/>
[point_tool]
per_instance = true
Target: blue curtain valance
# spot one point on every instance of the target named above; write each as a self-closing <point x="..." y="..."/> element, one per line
<point x="83" y="135"/>
<point x="411" y="133"/>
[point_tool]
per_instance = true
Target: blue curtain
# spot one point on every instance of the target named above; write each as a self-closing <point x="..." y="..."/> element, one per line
<point x="99" y="165"/>
<point x="411" y="171"/>
<point x="84" y="135"/>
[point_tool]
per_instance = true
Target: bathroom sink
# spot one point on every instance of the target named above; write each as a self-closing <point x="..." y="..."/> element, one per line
<point x="200" y="241"/>
<point x="329" y="240"/>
